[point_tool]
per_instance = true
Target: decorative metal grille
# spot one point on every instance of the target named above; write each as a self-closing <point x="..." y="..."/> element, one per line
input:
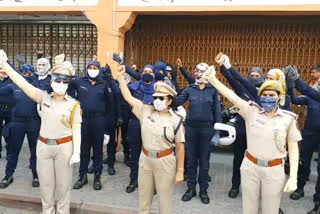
<point x="264" y="41"/>
<point x="77" y="41"/>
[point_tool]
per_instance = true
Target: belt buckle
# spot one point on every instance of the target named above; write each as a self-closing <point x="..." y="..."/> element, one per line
<point x="262" y="163"/>
<point x="52" y="142"/>
<point x="152" y="154"/>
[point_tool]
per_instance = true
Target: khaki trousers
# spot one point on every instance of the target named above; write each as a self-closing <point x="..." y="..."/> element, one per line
<point x="258" y="182"/>
<point x="55" y="176"/>
<point x="160" y="174"/>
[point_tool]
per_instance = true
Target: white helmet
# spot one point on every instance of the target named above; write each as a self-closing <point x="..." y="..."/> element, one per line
<point x="228" y="140"/>
<point x="43" y="66"/>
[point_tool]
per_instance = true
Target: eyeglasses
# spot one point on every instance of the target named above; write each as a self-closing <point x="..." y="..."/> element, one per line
<point x="158" y="97"/>
<point x="65" y="81"/>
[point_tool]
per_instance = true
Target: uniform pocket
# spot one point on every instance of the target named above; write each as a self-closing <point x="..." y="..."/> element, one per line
<point x="280" y="136"/>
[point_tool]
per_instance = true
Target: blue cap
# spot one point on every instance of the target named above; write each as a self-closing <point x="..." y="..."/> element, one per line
<point x="26" y="68"/>
<point x="95" y="63"/>
<point x="148" y="66"/>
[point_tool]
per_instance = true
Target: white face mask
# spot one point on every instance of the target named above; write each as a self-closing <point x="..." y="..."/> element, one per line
<point x="93" y="73"/>
<point x="159" y="105"/>
<point x="59" y="88"/>
<point x="43" y="66"/>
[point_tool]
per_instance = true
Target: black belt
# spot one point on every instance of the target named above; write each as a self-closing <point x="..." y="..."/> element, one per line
<point x="5" y="107"/>
<point x="199" y="124"/>
<point x="91" y="115"/>
<point x="24" y="119"/>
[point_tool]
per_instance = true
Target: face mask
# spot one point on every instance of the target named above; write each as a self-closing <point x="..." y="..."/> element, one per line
<point x="59" y="88"/>
<point x="256" y="81"/>
<point x="159" y="105"/>
<point x="93" y="73"/>
<point x="158" y="76"/>
<point x="147" y="77"/>
<point x="43" y="67"/>
<point x="268" y="103"/>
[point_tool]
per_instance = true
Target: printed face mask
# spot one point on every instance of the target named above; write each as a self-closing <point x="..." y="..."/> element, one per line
<point x="93" y="73"/>
<point x="269" y="103"/>
<point x="43" y="66"/>
<point x="159" y="105"/>
<point x="59" y="88"/>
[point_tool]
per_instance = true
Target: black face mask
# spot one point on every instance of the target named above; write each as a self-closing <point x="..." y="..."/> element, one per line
<point x="256" y="81"/>
<point x="147" y="78"/>
<point x="159" y="76"/>
<point x="173" y="75"/>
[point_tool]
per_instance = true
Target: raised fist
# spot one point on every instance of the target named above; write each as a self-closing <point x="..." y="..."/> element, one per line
<point x="219" y="59"/>
<point x="291" y="73"/>
<point x="121" y="70"/>
<point x="117" y="58"/>
<point x="179" y="63"/>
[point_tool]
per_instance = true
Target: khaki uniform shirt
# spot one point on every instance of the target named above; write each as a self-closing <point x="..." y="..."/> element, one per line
<point x="55" y="115"/>
<point x="152" y="127"/>
<point x="267" y="136"/>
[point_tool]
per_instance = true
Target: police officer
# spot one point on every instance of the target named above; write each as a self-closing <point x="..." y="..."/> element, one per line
<point x="204" y="111"/>
<point x="269" y="130"/>
<point x="310" y="133"/>
<point x="113" y="119"/>
<point x="240" y="144"/>
<point x="59" y="141"/>
<point x="25" y="121"/>
<point x="95" y="98"/>
<point x="141" y="90"/>
<point x="5" y="110"/>
<point x="161" y="130"/>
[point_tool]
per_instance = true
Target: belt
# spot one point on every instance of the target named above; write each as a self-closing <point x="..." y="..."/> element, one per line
<point x="157" y="154"/>
<point x="24" y="119"/>
<point x="199" y="124"/>
<point x="263" y="163"/>
<point x="55" y="141"/>
<point x="91" y="115"/>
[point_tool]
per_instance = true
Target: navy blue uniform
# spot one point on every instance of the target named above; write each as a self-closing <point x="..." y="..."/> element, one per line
<point x="25" y="121"/>
<point x="43" y="84"/>
<point x="186" y="75"/>
<point x="310" y="136"/>
<point x="204" y="111"/>
<point x="5" y="113"/>
<point x="134" y="130"/>
<point x="95" y="102"/>
<point x="126" y="115"/>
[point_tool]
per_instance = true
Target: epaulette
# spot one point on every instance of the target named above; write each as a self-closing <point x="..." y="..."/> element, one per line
<point x="252" y="103"/>
<point x="292" y="114"/>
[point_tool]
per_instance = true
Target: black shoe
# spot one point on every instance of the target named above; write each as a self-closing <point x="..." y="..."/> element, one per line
<point x="297" y="194"/>
<point x="189" y="195"/>
<point x="6" y="181"/>
<point x="96" y="182"/>
<point x="90" y="169"/>
<point x="83" y="180"/>
<point x="204" y="197"/>
<point x="105" y="161"/>
<point x="316" y="209"/>
<point x="126" y="159"/>
<point x="280" y="211"/>
<point x="111" y="170"/>
<point x="233" y="193"/>
<point x="132" y="186"/>
<point x="35" y="181"/>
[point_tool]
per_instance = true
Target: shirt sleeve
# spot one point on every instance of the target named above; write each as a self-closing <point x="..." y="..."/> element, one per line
<point x="179" y="137"/>
<point x="294" y="134"/>
<point x="39" y="95"/>
<point x="244" y="109"/>
<point x="77" y="117"/>
<point x="138" y="109"/>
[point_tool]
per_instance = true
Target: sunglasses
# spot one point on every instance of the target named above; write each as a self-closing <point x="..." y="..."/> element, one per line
<point x="65" y="81"/>
<point x="158" y="97"/>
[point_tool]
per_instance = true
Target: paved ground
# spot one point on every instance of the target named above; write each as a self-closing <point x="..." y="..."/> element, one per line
<point x="114" y="199"/>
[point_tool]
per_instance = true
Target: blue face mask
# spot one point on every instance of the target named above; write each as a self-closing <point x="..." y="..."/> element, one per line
<point x="147" y="78"/>
<point x="268" y="103"/>
<point x="256" y="81"/>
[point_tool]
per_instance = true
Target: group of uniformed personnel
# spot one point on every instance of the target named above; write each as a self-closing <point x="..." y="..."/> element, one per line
<point x="45" y="105"/>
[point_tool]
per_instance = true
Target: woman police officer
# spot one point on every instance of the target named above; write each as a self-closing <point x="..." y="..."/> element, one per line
<point x="161" y="130"/>
<point x="269" y="129"/>
<point x="58" y="146"/>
